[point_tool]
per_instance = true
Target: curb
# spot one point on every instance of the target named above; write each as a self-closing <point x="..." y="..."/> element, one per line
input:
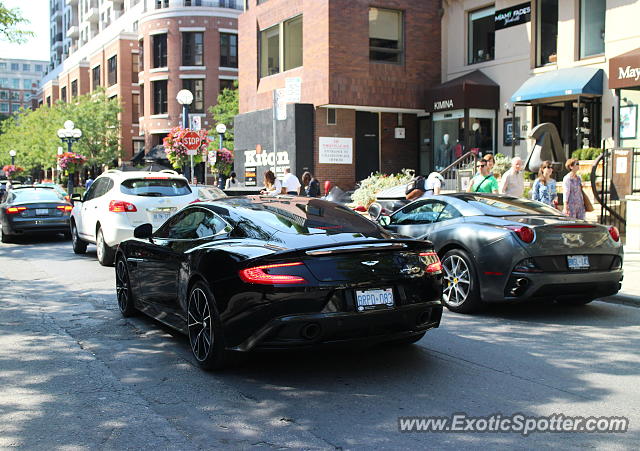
<point x="622" y="299"/>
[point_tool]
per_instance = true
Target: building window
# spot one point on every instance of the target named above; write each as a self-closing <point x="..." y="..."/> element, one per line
<point x="135" y="108"/>
<point x="4" y="107"/>
<point x="228" y="50"/>
<point x="38" y="67"/>
<point x="292" y="43"/>
<point x="196" y="86"/>
<point x="159" y="96"/>
<point x="3" y="66"/>
<point x="15" y="67"/>
<point x="192" y="49"/>
<point x="4" y="82"/>
<point x="4" y="95"/>
<point x="48" y="100"/>
<point x="546" y="32"/>
<point x="481" y="32"/>
<point x="592" y="20"/>
<point x="331" y="116"/>
<point x="226" y="84"/>
<point x="95" y="77"/>
<point x="385" y="35"/>
<point x="74" y="89"/>
<point x="15" y="96"/>
<point x="112" y="70"/>
<point x="141" y="103"/>
<point x="26" y="67"/>
<point x="141" y="55"/>
<point x="27" y="84"/>
<point x="162" y="4"/>
<point x="15" y="82"/>
<point x="26" y="96"/>
<point x="134" y="68"/>
<point x="63" y="94"/>
<point x="270" y="51"/>
<point x="160" y="50"/>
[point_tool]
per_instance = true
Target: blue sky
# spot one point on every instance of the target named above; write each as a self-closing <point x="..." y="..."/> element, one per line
<point x="37" y="47"/>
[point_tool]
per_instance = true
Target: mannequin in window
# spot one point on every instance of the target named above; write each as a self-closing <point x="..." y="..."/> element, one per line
<point x="444" y="152"/>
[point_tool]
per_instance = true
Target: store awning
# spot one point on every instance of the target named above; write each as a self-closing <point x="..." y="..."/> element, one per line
<point x="624" y="70"/>
<point x="473" y="90"/>
<point x="571" y="82"/>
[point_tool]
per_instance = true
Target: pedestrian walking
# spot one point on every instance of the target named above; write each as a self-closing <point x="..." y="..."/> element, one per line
<point x="544" y="188"/>
<point x="231" y="182"/>
<point x="310" y="185"/>
<point x="483" y="181"/>
<point x="290" y="183"/>
<point x="273" y="186"/>
<point x="572" y="191"/>
<point x="512" y="182"/>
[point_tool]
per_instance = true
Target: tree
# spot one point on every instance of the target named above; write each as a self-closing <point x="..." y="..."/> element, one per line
<point x="10" y="19"/>
<point x="225" y="112"/>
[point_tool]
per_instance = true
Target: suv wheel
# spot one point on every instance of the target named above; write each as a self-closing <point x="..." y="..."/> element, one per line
<point x="79" y="246"/>
<point x="106" y="254"/>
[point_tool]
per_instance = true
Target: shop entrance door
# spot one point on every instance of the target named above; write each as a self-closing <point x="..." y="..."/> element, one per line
<point x="367" y="144"/>
<point x="564" y="118"/>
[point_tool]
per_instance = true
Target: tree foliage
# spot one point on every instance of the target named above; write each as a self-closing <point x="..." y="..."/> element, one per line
<point x="225" y="112"/>
<point x="33" y="134"/>
<point x="10" y="20"/>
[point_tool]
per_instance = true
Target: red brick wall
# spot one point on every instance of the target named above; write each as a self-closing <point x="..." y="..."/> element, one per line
<point x="342" y="175"/>
<point x="397" y="154"/>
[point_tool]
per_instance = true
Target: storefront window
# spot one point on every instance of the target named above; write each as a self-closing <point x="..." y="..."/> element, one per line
<point x="481" y="35"/>
<point x="629" y="133"/>
<point x="448" y="137"/>
<point x="546" y="32"/>
<point x="482" y="130"/>
<point x="592" y="18"/>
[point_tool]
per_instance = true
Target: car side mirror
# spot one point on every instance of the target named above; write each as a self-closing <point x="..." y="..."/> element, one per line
<point x="76" y="198"/>
<point x="375" y="209"/>
<point x="384" y="220"/>
<point x="143" y="231"/>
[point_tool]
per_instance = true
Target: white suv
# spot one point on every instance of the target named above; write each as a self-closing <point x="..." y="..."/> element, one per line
<point x="117" y="202"/>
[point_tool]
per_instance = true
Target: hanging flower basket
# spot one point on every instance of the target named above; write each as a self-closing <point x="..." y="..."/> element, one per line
<point x="176" y="150"/>
<point x="11" y="170"/>
<point x="71" y="161"/>
<point x="224" y="162"/>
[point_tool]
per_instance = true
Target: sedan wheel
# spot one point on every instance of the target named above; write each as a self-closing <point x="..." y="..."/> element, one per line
<point x="3" y="237"/>
<point x="123" y="289"/>
<point x="460" y="291"/>
<point x="205" y="332"/>
<point x="79" y="246"/>
<point x="105" y="253"/>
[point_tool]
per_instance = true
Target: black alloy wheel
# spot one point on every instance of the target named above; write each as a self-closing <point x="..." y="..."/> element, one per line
<point x="460" y="290"/>
<point x="105" y="253"/>
<point x="79" y="246"/>
<point x="205" y="331"/>
<point x="126" y="301"/>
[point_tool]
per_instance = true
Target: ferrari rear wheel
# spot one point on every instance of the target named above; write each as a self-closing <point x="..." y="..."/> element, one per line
<point x="460" y="292"/>
<point x="205" y="330"/>
<point x="123" y="289"/>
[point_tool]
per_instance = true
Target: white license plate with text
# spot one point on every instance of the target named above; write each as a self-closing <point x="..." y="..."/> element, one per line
<point x="370" y="299"/>
<point x="578" y="261"/>
<point x="42" y="211"/>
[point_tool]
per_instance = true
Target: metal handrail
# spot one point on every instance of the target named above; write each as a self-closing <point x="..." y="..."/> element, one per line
<point x="456" y="164"/>
<point x="599" y="195"/>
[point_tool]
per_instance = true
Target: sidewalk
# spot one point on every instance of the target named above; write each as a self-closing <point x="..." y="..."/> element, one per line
<point x="630" y="292"/>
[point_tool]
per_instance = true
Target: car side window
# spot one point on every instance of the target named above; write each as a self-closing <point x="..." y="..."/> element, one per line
<point x="191" y="224"/>
<point x="104" y="187"/>
<point x="91" y="192"/>
<point x="448" y="213"/>
<point x="418" y="213"/>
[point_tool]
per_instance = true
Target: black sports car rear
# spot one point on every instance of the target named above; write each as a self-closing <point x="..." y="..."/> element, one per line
<point x="267" y="273"/>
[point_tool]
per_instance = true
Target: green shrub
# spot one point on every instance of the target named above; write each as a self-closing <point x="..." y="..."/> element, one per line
<point x="586" y="177"/>
<point x="589" y="153"/>
<point x="503" y="163"/>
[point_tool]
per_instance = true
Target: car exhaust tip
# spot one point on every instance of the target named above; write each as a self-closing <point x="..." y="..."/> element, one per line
<point x="311" y="331"/>
<point x="519" y="286"/>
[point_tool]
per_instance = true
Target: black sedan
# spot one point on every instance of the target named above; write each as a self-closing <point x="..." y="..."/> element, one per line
<point x="497" y="248"/>
<point x="254" y="272"/>
<point x="29" y="209"/>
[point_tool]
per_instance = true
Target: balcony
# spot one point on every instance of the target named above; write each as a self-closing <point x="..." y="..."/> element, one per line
<point x="92" y="15"/>
<point x="233" y="4"/>
<point x="73" y="31"/>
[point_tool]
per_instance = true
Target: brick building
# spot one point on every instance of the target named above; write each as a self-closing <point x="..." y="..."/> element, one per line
<point x="143" y="52"/>
<point x="19" y="81"/>
<point x="351" y="78"/>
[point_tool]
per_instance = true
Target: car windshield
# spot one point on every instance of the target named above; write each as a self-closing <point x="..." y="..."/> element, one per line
<point x="155" y="187"/>
<point x="508" y="206"/>
<point x="36" y="194"/>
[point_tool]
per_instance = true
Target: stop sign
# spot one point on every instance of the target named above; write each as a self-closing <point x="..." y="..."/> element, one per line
<point x="192" y="142"/>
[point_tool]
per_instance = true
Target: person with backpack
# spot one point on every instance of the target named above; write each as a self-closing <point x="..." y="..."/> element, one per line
<point x="420" y="187"/>
<point x="483" y="181"/>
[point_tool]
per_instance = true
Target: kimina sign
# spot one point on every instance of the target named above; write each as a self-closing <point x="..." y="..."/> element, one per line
<point x="443" y="105"/>
<point x="512" y="16"/>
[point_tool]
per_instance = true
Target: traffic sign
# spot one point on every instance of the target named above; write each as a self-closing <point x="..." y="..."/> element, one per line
<point x="196" y="122"/>
<point x="192" y="142"/>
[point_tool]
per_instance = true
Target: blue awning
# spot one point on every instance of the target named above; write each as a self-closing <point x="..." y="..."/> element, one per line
<point x="574" y="81"/>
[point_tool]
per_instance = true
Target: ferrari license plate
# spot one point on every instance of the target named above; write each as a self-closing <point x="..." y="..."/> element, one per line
<point x="42" y="211"/>
<point x="371" y="299"/>
<point x="578" y="261"/>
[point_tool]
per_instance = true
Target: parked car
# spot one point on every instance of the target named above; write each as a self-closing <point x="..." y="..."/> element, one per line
<point x="206" y="193"/>
<point x="27" y="210"/>
<point x="117" y="202"/>
<point x="244" y="273"/>
<point x="497" y="248"/>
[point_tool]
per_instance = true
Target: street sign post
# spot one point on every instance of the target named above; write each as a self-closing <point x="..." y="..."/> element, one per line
<point x="192" y="142"/>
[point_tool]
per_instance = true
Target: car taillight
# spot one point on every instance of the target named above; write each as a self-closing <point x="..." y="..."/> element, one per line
<point x="261" y="274"/>
<point x="120" y="206"/>
<point x="524" y="233"/>
<point x="615" y="235"/>
<point x="432" y="260"/>
<point x="15" y="210"/>
<point x="64" y="207"/>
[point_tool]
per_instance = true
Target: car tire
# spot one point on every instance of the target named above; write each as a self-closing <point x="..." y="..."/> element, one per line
<point x="461" y="290"/>
<point x="204" y="329"/>
<point x="408" y="340"/>
<point x="126" y="300"/>
<point x="4" y="237"/>
<point x="105" y="253"/>
<point x="79" y="246"/>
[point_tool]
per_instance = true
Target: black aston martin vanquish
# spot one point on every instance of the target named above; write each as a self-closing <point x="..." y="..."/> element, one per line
<point x="254" y="272"/>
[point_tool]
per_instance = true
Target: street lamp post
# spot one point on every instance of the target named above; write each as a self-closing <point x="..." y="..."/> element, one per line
<point x="58" y="168"/>
<point x="184" y="98"/>
<point x="12" y="154"/>
<point x="221" y="129"/>
<point x="69" y="135"/>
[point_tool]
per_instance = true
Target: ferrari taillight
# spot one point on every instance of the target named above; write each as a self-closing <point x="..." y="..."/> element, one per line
<point x="525" y="233"/>
<point x="263" y="274"/>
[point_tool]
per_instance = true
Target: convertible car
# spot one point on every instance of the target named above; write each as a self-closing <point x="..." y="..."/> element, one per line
<point x="255" y="272"/>
<point x="497" y="248"/>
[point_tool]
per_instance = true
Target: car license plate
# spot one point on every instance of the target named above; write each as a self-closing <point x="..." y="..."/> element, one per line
<point x="371" y="299"/>
<point x="42" y="211"/>
<point x="160" y="217"/>
<point x="578" y="261"/>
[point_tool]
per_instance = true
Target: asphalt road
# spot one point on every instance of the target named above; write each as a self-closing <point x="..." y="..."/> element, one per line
<point x="75" y="375"/>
